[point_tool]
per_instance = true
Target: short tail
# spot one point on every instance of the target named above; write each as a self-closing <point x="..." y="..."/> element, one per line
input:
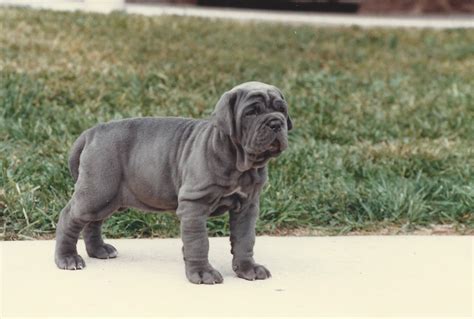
<point x="74" y="156"/>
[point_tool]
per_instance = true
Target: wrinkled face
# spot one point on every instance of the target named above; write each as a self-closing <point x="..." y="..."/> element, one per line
<point x="262" y="122"/>
<point x="255" y="117"/>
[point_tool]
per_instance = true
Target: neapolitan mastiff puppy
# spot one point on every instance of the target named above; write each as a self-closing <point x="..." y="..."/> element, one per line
<point x="199" y="168"/>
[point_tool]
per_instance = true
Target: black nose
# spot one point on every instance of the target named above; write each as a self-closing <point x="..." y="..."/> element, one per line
<point x="275" y="125"/>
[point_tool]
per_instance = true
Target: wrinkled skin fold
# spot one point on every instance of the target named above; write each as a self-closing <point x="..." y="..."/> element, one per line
<point x="198" y="168"/>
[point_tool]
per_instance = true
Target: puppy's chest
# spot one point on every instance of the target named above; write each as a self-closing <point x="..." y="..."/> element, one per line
<point x="231" y="200"/>
<point x="233" y="197"/>
<point x="245" y="186"/>
<point x="238" y="192"/>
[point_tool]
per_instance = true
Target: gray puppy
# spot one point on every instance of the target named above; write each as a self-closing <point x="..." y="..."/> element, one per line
<point x="199" y="168"/>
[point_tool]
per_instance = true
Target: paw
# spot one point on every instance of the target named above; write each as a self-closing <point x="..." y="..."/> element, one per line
<point x="70" y="262"/>
<point x="249" y="270"/>
<point x="202" y="274"/>
<point x="104" y="251"/>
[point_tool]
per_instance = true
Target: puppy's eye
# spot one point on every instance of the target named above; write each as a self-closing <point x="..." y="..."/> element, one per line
<point x="252" y="111"/>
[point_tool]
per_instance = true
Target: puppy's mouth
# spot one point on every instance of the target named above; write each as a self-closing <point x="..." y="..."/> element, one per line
<point x="273" y="150"/>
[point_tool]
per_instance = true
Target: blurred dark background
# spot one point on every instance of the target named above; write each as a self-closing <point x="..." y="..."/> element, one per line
<point x="341" y="6"/>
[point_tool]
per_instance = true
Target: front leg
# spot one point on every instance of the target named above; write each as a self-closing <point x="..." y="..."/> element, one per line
<point x="242" y="239"/>
<point x="196" y="245"/>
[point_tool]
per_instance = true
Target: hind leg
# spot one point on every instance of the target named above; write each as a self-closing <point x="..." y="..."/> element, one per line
<point x="67" y="234"/>
<point x="96" y="196"/>
<point x="78" y="215"/>
<point x="91" y="203"/>
<point x="95" y="245"/>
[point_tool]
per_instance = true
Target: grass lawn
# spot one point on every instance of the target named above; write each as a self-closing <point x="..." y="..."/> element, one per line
<point x="384" y="119"/>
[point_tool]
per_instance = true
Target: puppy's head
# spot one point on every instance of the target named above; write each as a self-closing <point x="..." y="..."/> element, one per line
<point x="255" y="117"/>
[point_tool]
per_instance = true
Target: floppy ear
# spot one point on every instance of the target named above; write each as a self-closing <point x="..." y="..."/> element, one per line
<point x="289" y="122"/>
<point x="224" y="113"/>
<point x="223" y="118"/>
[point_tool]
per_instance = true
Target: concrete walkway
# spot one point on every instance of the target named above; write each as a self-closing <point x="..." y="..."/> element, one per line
<point x="312" y="276"/>
<point x="106" y="6"/>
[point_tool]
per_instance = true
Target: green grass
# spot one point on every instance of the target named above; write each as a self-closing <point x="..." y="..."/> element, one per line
<point x="384" y="119"/>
